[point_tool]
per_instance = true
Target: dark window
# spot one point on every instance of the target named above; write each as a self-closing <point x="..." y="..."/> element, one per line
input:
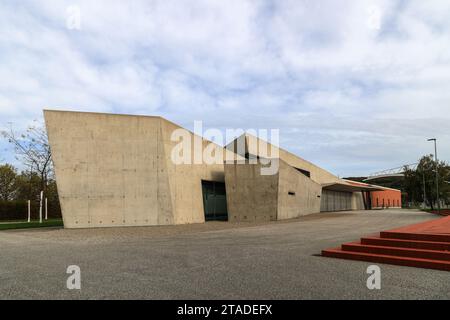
<point x="291" y="193"/>
<point x="305" y="172"/>
<point x="249" y="156"/>
<point x="214" y="201"/>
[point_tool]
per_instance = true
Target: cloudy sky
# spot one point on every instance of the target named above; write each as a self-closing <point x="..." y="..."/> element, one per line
<point x="354" y="86"/>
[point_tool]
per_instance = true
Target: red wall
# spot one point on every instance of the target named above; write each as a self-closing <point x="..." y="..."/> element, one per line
<point x="386" y="199"/>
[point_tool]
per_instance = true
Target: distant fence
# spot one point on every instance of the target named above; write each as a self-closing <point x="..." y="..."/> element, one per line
<point x="18" y="210"/>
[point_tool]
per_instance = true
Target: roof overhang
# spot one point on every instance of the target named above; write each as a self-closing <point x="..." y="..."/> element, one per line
<point x="344" y="187"/>
<point x="395" y="175"/>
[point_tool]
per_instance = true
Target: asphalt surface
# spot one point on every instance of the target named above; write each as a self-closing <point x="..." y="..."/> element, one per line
<point x="211" y="261"/>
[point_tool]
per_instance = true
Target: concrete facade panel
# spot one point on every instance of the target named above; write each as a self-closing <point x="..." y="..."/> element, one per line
<point x="107" y="169"/>
<point x="185" y="179"/>
<point x="298" y="195"/>
<point x="250" y="196"/>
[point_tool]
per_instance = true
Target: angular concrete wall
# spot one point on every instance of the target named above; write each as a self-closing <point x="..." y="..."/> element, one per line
<point x="250" y="195"/>
<point x="108" y="169"/>
<point x="185" y="179"/>
<point x="298" y="195"/>
<point x="116" y="170"/>
<point x="257" y="147"/>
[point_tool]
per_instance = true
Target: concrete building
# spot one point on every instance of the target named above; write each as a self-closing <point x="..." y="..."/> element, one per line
<point x="119" y="170"/>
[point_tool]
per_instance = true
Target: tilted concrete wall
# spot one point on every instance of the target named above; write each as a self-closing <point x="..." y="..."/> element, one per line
<point x="108" y="170"/>
<point x="306" y="197"/>
<point x="250" y="195"/>
<point x="258" y="147"/>
<point x="116" y="170"/>
<point x="185" y="179"/>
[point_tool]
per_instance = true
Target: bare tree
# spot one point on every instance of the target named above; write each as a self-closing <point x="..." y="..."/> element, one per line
<point x="33" y="150"/>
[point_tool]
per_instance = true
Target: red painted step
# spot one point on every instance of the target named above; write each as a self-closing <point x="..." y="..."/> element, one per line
<point x="398" y="252"/>
<point x="443" y="212"/>
<point x="387" y="259"/>
<point x="440" y="228"/>
<point x="415" y="236"/>
<point x="423" y="245"/>
<point x="401" y="243"/>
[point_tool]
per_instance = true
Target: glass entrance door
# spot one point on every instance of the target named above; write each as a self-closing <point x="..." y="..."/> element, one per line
<point x="214" y="201"/>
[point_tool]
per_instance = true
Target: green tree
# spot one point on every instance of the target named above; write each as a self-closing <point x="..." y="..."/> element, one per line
<point x="8" y="182"/>
<point x="28" y="186"/>
<point x="420" y="183"/>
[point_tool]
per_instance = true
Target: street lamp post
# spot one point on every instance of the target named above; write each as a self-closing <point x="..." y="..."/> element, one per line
<point x="424" y="192"/>
<point x="437" y="173"/>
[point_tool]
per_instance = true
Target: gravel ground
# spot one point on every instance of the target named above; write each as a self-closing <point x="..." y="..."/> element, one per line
<point x="217" y="260"/>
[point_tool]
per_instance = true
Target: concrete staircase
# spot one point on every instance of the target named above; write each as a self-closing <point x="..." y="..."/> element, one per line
<point x="425" y="245"/>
